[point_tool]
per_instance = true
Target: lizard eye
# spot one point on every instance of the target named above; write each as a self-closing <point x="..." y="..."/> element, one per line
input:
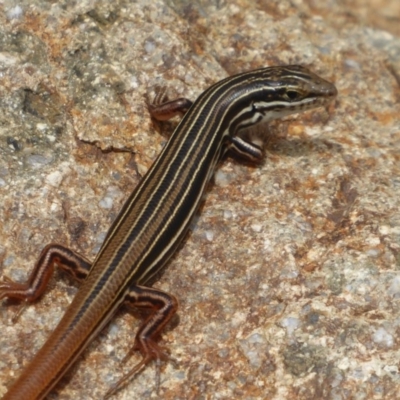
<point x="292" y="94"/>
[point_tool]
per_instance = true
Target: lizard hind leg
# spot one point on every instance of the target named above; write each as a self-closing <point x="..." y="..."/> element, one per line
<point x="162" y="308"/>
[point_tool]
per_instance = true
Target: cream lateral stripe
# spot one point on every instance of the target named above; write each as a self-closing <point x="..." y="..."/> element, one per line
<point x="173" y="184"/>
<point x="182" y="127"/>
<point x="184" y="224"/>
<point x="270" y="105"/>
<point x="199" y="148"/>
<point x="181" y="175"/>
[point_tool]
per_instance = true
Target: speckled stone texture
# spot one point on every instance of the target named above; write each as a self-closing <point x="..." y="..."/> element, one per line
<point x="289" y="283"/>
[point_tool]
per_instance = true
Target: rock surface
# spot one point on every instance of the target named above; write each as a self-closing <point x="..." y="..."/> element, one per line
<point x="289" y="283"/>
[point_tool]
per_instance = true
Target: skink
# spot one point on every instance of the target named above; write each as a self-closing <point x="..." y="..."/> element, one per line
<point x="156" y="217"/>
